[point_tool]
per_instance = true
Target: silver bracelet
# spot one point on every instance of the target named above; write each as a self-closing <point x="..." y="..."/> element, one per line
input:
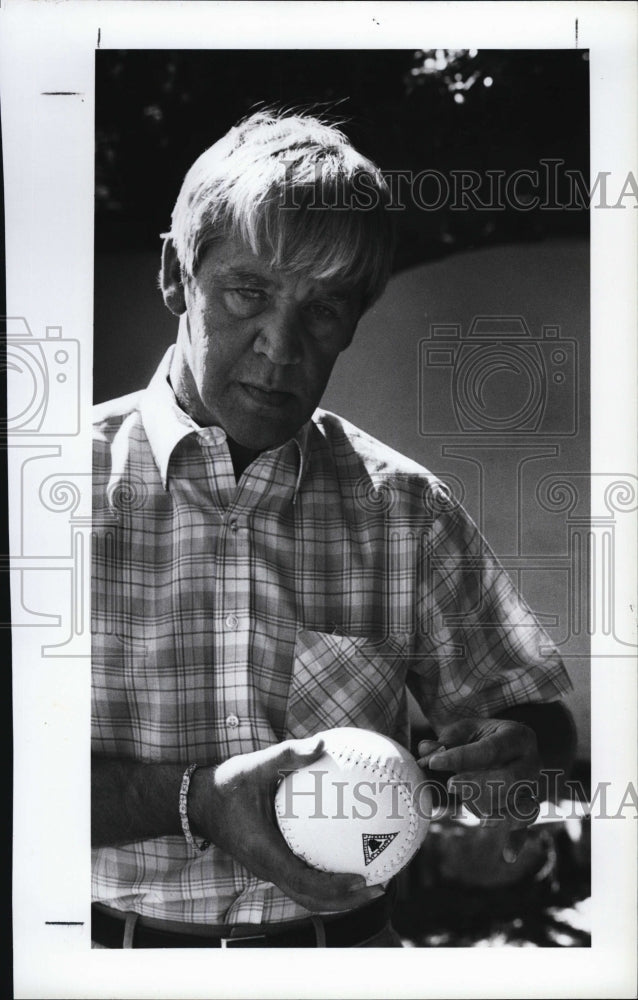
<point x="183" y="811"/>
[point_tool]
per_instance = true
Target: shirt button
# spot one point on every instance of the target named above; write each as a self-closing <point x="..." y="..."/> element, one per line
<point x="233" y="524"/>
<point x="232" y="721"/>
<point x="232" y="621"/>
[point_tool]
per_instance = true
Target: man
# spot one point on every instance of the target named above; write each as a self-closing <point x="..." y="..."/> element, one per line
<point x="263" y="570"/>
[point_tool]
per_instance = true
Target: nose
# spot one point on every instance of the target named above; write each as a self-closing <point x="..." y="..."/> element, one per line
<point x="279" y="336"/>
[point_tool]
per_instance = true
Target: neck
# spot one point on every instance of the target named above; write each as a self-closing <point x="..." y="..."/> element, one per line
<point x="187" y="396"/>
<point x="241" y="457"/>
<point x="183" y="385"/>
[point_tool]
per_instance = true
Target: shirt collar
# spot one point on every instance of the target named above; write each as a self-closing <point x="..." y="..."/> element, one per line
<point x="166" y="424"/>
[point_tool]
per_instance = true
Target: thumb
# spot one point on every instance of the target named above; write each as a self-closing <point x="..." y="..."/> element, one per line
<point x="294" y="754"/>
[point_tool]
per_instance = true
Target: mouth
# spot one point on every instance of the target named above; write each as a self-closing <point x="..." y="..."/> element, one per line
<point x="266" y="397"/>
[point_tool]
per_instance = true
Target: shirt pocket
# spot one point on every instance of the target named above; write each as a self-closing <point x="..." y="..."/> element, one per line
<point x="342" y="680"/>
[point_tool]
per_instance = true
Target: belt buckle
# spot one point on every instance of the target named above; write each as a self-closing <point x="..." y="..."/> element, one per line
<point x="230" y="942"/>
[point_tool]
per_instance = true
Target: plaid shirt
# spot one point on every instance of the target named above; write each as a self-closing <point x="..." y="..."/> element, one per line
<point x="229" y="616"/>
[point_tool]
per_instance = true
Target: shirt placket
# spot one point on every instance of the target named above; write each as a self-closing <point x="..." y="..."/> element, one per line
<point x="231" y="605"/>
<point x="232" y="635"/>
<point x="240" y="722"/>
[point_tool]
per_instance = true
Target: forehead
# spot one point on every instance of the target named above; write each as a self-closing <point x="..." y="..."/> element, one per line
<point x="232" y="259"/>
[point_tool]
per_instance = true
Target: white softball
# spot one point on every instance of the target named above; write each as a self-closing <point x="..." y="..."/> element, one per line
<point x="363" y="807"/>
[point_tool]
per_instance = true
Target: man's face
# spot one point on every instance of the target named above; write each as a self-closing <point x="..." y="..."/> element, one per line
<point x="257" y="345"/>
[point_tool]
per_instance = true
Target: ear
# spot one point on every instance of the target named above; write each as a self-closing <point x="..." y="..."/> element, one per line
<point x="171" y="280"/>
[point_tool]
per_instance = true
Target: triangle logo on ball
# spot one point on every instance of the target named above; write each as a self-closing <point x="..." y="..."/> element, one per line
<point x="375" y="844"/>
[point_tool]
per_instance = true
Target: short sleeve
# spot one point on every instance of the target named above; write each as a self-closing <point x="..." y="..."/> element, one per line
<point x="479" y="647"/>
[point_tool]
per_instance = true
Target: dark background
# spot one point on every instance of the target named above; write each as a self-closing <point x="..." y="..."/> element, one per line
<point x="156" y="111"/>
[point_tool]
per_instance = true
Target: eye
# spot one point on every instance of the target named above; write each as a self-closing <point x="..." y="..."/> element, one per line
<point x="245" y="301"/>
<point x="323" y="312"/>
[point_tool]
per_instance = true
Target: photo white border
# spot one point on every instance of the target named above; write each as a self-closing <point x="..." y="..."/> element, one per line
<point x="47" y="104"/>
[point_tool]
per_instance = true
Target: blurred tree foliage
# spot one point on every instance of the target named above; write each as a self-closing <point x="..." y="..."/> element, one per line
<point x="438" y="110"/>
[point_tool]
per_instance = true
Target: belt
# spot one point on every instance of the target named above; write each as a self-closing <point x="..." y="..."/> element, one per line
<point x="344" y="931"/>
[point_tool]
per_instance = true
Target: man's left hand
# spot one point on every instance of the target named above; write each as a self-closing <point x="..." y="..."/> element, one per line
<point x="495" y="768"/>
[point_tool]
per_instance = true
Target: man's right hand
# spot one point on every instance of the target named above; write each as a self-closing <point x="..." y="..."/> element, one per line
<point x="232" y="806"/>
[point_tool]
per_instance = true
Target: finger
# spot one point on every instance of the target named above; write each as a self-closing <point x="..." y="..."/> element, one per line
<point x="483" y="742"/>
<point x="481" y="792"/>
<point x="315" y="890"/>
<point x="425" y="750"/>
<point x="496" y="795"/>
<point x="484" y="793"/>
<point x="457" y="733"/>
<point x="495" y="749"/>
<point x="269" y="857"/>
<point x="325" y="890"/>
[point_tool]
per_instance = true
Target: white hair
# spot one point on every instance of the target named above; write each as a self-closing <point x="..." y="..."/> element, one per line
<point x="295" y="190"/>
